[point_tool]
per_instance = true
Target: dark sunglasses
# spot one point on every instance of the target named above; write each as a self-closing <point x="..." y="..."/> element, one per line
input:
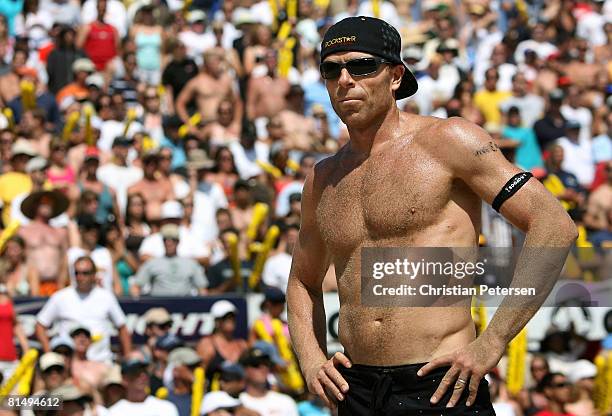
<point x="356" y="67"/>
<point x="559" y="385"/>
<point x="84" y="272"/>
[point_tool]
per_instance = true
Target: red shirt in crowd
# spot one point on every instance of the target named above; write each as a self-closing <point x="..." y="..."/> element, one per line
<point x="101" y="44"/>
<point x="549" y="413"/>
<point x="8" y="352"/>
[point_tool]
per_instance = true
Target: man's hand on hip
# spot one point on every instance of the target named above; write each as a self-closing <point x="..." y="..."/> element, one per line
<point x="468" y="366"/>
<point x="325" y="381"/>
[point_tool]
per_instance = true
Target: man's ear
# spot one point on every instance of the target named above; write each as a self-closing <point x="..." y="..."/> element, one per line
<point x="396" y="77"/>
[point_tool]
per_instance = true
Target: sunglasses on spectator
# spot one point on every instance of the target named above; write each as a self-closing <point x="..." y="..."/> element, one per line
<point x="84" y="272"/>
<point x="151" y="97"/>
<point x="560" y="385"/>
<point x="356" y="67"/>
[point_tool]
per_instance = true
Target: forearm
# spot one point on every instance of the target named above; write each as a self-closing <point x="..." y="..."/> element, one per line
<point x="546" y="247"/>
<point x="41" y="334"/>
<point x="21" y="337"/>
<point x="125" y="340"/>
<point x="306" y="315"/>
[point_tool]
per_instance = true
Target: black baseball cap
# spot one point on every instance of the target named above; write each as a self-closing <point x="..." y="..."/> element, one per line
<point x="373" y="36"/>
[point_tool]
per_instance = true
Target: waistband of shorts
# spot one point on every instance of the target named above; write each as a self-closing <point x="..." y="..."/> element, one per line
<point x="412" y="367"/>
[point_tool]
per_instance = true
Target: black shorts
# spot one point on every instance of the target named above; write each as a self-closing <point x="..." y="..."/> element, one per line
<point x="398" y="391"/>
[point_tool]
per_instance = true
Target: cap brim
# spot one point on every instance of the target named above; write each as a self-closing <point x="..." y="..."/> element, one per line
<point x="409" y="85"/>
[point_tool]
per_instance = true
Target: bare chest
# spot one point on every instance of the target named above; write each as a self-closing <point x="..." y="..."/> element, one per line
<point x="388" y="197"/>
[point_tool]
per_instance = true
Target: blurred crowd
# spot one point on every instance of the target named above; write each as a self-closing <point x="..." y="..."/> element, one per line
<point x="159" y="148"/>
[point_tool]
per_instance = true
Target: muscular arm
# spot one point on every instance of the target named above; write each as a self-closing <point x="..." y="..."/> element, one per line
<point x="470" y="155"/>
<point x="306" y="312"/>
<point x="550" y="232"/>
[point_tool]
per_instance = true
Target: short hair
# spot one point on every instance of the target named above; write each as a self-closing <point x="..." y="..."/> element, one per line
<point x="88" y="259"/>
<point x="547" y="381"/>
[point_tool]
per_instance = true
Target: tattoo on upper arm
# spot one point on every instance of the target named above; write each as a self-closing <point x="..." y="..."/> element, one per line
<point x="488" y="148"/>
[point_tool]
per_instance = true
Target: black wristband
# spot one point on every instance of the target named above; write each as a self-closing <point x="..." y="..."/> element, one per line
<point x="510" y="188"/>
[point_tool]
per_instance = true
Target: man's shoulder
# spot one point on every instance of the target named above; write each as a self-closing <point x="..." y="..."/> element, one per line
<point x="67" y="292"/>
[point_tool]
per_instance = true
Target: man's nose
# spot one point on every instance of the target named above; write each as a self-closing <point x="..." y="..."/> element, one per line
<point x="345" y="80"/>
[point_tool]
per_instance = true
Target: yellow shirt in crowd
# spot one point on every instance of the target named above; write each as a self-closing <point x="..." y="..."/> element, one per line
<point x="488" y="104"/>
<point x="11" y="185"/>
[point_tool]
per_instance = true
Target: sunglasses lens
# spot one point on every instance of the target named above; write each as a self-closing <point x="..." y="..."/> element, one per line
<point x="330" y="70"/>
<point x="363" y="66"/>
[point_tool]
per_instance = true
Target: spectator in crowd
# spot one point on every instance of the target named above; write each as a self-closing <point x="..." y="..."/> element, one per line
<point x="221" y="274"/>
<point x="87" y="373"/>
<point x="557" y="390"/>
<point x="232" y="379"/>
<point x="574" y="110"/>
<point x="154" y="189"/>
<point x="276" y="270"/>
<point x="272" y="307"/>
<point x="219" y="403"/>
<point x="528" y="154"/>
<point x="266" y="94"/>
<point x="300" y="130"/>
<point x="530" y="106"/>
<point x="172" y="212"/>
<point x="183" y="361"/>
<point x="307" y="163"/>
<point x="86" y="242"/>
<point x="178" y="72"/>
<point x="61" y="58"/>
<point x="258" y="396"/>
<point x="221" y="345"/>
<point x="564" y="185"/>
<point x="21" y="278"/>
<point x="77" y="89"/>
<point x="53" y="371"/>
<point x="578" y="159"/>
<point x="170" y="275"/>
<point x="552" y="126"/>
<point x="489" y="98"/>
<point x="161" y="373"/>
<point x="112" y="388"/>
<point x="64" y="346"/>
<point x="88" y="180"/>
<point x="45" y="245"/>
<point x="87" y="304"/>
<point x="118" y="174"/>
<point x="601" y="145"/>
<point x="99" y="39"/>
<point x="158" y="323"/>
<point x="211" y="86"/>
<point x="9" y="328"/>
<point x="224" y="171"/>
<point x="148" y="36"/>
<point x="16" y="181"/>
<point x="138" y="401"/>
<point x="33" y="126"/>
<point x="598" y="216"/>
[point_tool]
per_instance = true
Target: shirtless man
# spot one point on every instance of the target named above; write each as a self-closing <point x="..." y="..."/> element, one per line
<point x="266" y="95"/>
<point x="301" y="130"/>
<point x="46" y="245"/>
<point x="411" y="181"/>
<point x="208" y="88"/>
<point x="155" y="188"/>
<point x="224" y="130"/>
